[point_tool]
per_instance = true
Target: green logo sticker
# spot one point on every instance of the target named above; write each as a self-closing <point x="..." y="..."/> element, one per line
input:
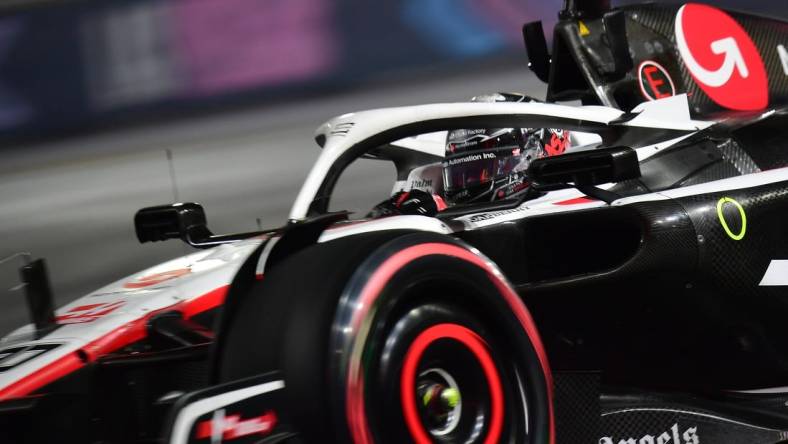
<point x="720" y="205"/>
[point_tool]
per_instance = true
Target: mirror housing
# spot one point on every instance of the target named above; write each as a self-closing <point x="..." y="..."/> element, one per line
<point x="591" y="167"/>
<point x="184" y="221"/>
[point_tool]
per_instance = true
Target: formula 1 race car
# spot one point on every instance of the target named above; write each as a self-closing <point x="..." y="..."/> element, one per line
<point x="614" y="272"/>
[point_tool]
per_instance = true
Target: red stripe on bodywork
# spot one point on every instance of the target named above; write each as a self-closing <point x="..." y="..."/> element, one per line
<point x="137" y="330"/>
<point x="212" y="299"/>
<point x="355" y="410"/>
<point x="575" y="201"/>
<point x="52" y="372"/>
<point x="118" y="338"/>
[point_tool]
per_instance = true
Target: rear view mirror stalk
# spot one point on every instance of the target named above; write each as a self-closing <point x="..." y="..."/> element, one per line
<point x="185" y="221"/>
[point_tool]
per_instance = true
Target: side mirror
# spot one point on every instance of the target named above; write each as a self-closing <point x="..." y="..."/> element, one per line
<point x="184" y="221"/>
<point x="584" y="168"/>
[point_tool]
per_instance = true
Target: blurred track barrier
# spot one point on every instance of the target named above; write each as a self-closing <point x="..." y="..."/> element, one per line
<point x="80" y="64"/>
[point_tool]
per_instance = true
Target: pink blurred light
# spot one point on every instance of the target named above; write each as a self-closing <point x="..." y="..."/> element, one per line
<point x="235" y="44"/>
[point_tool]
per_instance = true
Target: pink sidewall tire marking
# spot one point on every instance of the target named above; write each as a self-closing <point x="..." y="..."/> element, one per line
<point x="355" y="410"/>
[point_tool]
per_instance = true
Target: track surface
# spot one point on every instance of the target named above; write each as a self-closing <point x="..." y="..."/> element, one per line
<point x="72" y="202"/>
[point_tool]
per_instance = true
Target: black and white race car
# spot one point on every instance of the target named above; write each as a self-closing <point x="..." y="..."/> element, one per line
<point x="631" y="290"/>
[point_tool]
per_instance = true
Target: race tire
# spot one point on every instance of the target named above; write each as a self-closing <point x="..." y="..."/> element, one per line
<point x="395" y="337"/>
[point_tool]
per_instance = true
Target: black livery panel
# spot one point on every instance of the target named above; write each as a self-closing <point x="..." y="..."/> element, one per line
<point x="670" y="293"/>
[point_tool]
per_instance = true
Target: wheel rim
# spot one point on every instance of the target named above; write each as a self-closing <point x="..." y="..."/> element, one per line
<point x="438" y="419"/>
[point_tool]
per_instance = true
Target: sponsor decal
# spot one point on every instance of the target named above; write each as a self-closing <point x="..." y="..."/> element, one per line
<point x="225" y="428"/>
<point x="421" y="183"/>
<point x="494" y="214"/>
<point x="203" y="414"/>
<point x="88" y="313"/>
<point x="672" y="436"/>
<point x="654" y="80"/>
<point x="465" y="133"/>
<point x="471" y="158"/>
<point x="156" y="278"/>
<point x="724" y="219"/>
<point x="721" y="57"/>
<point x="514" y="187"/>
<point x="463" y="193"/>
<point x="18" y="355"/>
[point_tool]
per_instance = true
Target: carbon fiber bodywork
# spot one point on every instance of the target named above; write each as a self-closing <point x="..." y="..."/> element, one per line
<point x="681" y="309"/>
<point x="675" y="303"/>
<point x="667" y="276"/>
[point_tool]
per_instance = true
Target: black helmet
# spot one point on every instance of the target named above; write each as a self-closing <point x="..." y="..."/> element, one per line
<point x="491" y="164"/>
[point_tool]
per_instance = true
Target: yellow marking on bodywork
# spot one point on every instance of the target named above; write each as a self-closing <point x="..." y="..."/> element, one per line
<point x="720" y="205"/>
<point x="583" y="28"/>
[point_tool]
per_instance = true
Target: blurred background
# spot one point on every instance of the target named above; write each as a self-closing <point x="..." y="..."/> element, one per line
<point x="94" y="92"/>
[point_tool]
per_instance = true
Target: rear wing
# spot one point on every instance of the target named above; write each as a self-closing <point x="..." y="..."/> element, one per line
<point x="620" y="57"/>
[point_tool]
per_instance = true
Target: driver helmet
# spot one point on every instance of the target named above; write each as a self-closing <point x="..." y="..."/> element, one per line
<point x="484" y="165"/>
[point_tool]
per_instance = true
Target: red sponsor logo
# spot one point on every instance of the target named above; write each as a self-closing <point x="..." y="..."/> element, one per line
<point x="721" y="57"/>
<point x="232" y="427"/>
<point x="655" y="82"/>
<point x="156" y="278"/>
<point x="88" y="313"/>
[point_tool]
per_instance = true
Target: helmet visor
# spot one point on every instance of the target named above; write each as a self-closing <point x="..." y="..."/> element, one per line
<point x="477" y="168"/>
<point x="463" y="175"/>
